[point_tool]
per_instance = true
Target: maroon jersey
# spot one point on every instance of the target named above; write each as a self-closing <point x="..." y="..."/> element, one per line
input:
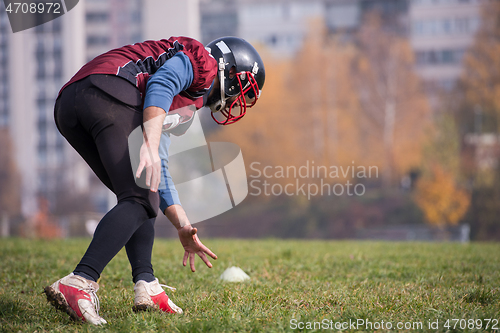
<point x="137" y="62"/>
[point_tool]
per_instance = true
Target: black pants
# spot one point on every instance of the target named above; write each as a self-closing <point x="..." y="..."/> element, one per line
<point x="97" y="125"/>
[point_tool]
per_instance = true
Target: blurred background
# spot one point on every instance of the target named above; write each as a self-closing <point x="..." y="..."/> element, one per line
<point x="407" y="89"/>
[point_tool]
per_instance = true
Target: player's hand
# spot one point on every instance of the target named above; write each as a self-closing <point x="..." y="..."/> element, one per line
<point x="150" y="160"/>
<point x="192" y="245"/>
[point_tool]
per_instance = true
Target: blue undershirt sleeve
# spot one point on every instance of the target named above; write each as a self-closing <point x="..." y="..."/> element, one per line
<point x="168" y="194"/>
<point x="174" y="76"/>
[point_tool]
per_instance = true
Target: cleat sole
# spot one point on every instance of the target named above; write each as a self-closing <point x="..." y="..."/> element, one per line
<point x="144" y="307"/>
<point x="59" y="302"/>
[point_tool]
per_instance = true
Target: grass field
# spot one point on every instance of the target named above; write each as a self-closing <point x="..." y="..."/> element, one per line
<point x="292" y="283"/>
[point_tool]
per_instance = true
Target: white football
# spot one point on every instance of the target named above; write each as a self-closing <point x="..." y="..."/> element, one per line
<point x="234" y="274"/>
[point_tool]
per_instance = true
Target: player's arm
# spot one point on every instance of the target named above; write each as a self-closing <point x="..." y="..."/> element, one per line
<point x="188" y="237"/>
<point x="174" y="76"/>
<point x="149" y="158"/>
<point x="170" y="205"/>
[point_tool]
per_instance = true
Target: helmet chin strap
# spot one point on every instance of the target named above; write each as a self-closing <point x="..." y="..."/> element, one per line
<point x="221" y="104"/>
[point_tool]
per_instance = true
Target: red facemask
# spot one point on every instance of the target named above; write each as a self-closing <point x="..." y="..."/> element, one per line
<point x="245" y="99"/>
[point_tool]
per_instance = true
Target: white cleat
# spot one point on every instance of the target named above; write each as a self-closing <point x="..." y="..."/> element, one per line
<point x="76" y="296"/>
<point x="150" y="295"/>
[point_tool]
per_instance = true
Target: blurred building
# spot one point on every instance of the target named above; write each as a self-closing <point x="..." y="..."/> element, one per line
<point x="4" y="69"/>
<point x="282" y="25"/>
<point x="218" y="18"/>
<point x="441" y="32"/>
<point x="110" y="24"/>
<point x="279" y="25"/>
<point x="165" y="18"/>
<point x="42" y="58"/>
<point x="346" y="16"/>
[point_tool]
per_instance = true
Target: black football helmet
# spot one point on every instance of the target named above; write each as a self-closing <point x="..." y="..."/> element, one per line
<point x="245" y="82"/>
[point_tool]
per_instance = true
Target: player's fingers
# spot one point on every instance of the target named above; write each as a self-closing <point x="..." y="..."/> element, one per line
<point x="148" y="175"/>
<point x="207" y="251"/>
<point x="205" y="259"/>
<point x="158" y="174"/>
<point x="184" y="260"/>
<point x="194" y="231"/>
<point x="154" y="179"/>
<point x="139" y="169"/>
<point x="191" y="261"/>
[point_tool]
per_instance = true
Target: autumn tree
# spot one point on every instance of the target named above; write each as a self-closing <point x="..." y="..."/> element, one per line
<point x="337" y="102"/>
<point x="441" y="200"/>
<point x="438" y="192"/>
<point x="480" y="81"/>
<point x="321" y="106"/>
<point x="395" y="109"/>
<point x="265" y="135"/>
<point x="326" y="104"/>
<point x="478" y="114"/>
<point x="478" y="93"/>
<point x="307" y="111"/>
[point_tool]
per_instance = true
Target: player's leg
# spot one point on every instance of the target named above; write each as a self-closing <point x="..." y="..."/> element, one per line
<point x="68" y="125"/>
<point x="149" y="294"/>
<point x="110" y="122"/>
<point x="111" y="136"/>
<point x="96" y="127"/>
<point x="139" y="249"/>
<point x="74" y="294"/>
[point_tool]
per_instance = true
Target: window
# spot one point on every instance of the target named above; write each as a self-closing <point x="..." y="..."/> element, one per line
<point x="462" y="25"/>
<point x="432" y="57"/>
<point x="42" y="156"/>
<point x="446" y="23"/>
<point x="447" y="56"/>
<point x="56" y="25"/>
<point x="439" y="57"/>
<point x="58" y="73"/>
<point x="420" y="57"/>
<point x="40" y="50"/>
<point x="446" y="84"/>
<point x="59" y="141"/>
<point x="97" y="40"/>
<point x="60" y="156"/>
<point x="57" y="48"/>
<point x="41" y="103"/>
<point x="136" y="17"/>
<point x="96" y="17"/>
<point x="273" y="40"/>
<point x="40" y="73"/>
<point x="446" y="26"/>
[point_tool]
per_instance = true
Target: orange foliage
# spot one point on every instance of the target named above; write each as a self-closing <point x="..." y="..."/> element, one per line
<point x="391" y="98"/>
<point x="481" y="77"/>
<point x="311" y="110"/>
<point x="442" y="202"/>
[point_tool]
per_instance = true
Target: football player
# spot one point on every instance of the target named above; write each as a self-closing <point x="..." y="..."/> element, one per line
<point x="147" y="84"/>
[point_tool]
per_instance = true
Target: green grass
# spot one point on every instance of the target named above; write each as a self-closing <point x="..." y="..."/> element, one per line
<point x="304" y="280"/>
